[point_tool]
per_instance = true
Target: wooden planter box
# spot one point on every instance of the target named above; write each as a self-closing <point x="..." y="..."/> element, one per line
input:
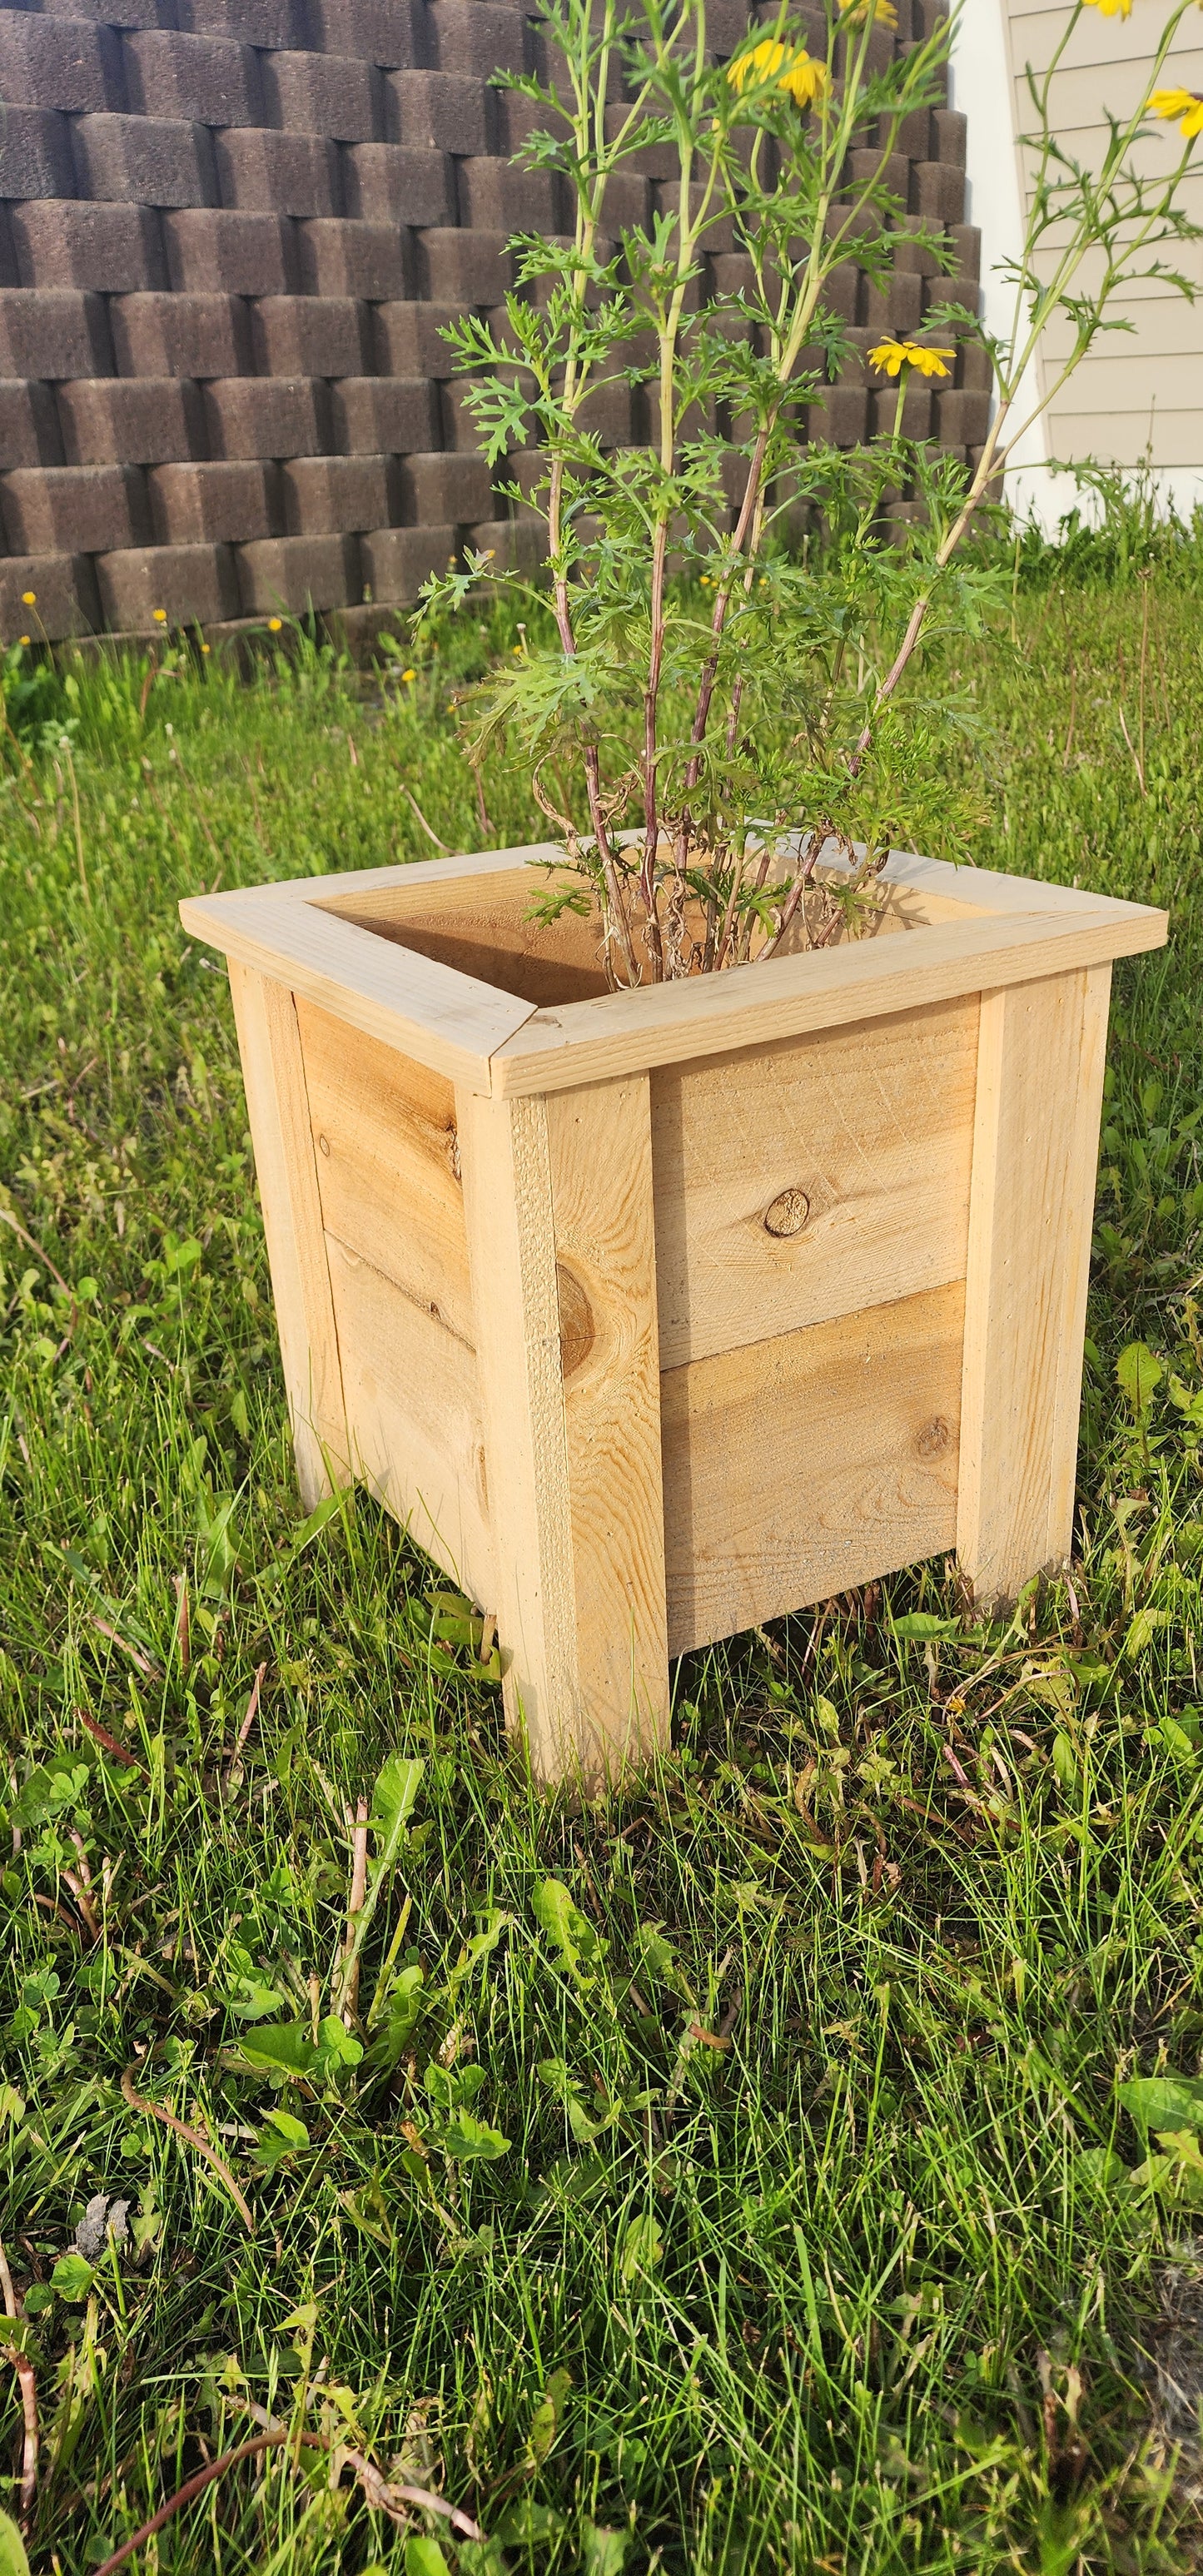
<point x="655" y="1315"/>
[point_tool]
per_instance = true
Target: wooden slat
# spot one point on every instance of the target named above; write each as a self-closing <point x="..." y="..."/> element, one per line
<point x="274" y="1075"/>
<point x="798" y="1467"/>
<point x="428" y="1011"/>
<point x="585" y="1669"/>
<point x="387" y="1161"/>
<point x="1035" y="1154"/>
<point x="600" y="1155"/>
<point x="753" y="1005"/>
<point x="414" y="1418"/>
<point x="874" y="1126"/>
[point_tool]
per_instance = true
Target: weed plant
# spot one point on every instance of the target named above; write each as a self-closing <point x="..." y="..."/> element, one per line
<point x="773" y="2168"/>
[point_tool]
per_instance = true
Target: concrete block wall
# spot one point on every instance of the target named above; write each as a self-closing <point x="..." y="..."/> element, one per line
<point x="229" y="233"/>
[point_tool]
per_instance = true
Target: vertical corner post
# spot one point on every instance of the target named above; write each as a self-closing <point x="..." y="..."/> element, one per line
<point x="1035" y="1153"/>
<point x="561" y="1241"/>
<point x="273" y="1072"/>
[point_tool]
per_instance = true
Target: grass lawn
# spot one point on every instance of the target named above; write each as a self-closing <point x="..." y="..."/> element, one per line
<point x="729" y="2177"/>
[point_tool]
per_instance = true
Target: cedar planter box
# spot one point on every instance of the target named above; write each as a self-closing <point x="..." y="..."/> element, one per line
<point x="655" y="1315"/>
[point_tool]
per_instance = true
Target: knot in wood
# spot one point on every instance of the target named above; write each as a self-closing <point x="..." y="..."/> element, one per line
<point x="578" y="1330"/>
<point x="934" y="1438"/>
<point x="787" y="1213"/>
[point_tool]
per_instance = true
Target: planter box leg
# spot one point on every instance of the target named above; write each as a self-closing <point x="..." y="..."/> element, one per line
<point x="1035" y="1154"/>
<point x="277" y="1102"/>
<point x="558" y="1199"/>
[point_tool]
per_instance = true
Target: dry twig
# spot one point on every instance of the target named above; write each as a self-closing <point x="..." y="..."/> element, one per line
<point x="155" y="2111"/>
<point x="29" y="2394"/>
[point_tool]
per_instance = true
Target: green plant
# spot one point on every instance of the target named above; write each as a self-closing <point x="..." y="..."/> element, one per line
<point x="907" y="1906"/>
<point x="728" y="723"/>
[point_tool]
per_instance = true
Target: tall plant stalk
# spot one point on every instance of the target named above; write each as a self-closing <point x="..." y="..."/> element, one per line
<point x="729" y="711"/>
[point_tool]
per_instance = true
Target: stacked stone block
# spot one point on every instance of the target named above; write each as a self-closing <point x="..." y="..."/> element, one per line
<point x="230" y="234"/>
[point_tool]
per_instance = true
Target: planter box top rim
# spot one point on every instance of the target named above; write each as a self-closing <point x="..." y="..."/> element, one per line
<point x="1003" y="930"/>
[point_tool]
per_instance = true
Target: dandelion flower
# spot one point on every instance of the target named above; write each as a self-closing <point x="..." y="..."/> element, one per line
<point x="160" y="617"/>
<point x="29" y="599"/>
<point x="881" y="12"/>
<point x="274" y="625"/>
<point x="800" y="74"/>
<point x="1111" y="8"/>
<point x="409" y="675"/>
<point x="206" y="648"/>
<point x="1185" y="106"/>
<point x="23" y="639"/>
<point x="891" y="355"/>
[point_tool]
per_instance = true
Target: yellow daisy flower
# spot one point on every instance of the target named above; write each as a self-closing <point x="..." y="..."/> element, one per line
<point x="29" y="599"/>
<point x="1111" y="8"/>
<point x="882" y="12"/>
<point x="804" y="78"/>
<point x="160" y="617"/>
<point x="1185" y="106"/>
<point x="274" y="625"/>
<point x="891" y="355"/>
<point x="409" y="675"/>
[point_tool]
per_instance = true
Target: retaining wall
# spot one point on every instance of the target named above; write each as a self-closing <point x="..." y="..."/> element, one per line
<point x="229" y="233"/>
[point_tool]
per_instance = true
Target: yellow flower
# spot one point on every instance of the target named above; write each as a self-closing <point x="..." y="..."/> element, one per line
<point x="274" y="625"/>
<point x="160" y="617"/>
<point x="1184" y="104"/>
<point x="804" y="78"/>
<point x="24" y="639"/>
<point x="882" y="12"/>
<point x="1111" y="8"/>
<point x="29" y="599"/>
<point x="206" y="648"/>
<point x="409" y="675"/>
<point x="891" y="355"/>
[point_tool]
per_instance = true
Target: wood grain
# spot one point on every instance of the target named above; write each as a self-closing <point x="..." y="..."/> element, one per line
<point x="428" y="1011"/>
<point x="560" y="1240"/>
<point x="482" y="927"/>
<point x="273" y="1072"/>
<point x="507" y="1205"/>
<point x="874" y="1126"/>
<point x="600" y="1153"/>
<point x="757" y="1005"/>
<point x="414" y="1418"/>
<point x="798" y="1467"/>
<point x="387" y="1162"/>
<point x="1035" y="1156"/>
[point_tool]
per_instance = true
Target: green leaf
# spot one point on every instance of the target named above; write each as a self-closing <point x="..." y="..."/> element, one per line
<point x="12" y="2106"/>
<point x="924" y="1623"/>
<point x="293" y="2132"/>
<point x="526" y="2525"/>
<point x="336" y="2045"/>
<point x="641" y="2248"/>
<point x="1139" y="1374"/>
<point x="465" y="2137"/>
<point x="1142" y="1631"/>
<point x="1164" y="2101"/>
<point x="72" y="2276"/>
<point x="1102" y="2172"/>
<point x="13" y="2560"/>
<point x="603" y="2551"/>
<point x="547" y="2416"/>
<point x="283" y="2048"/>
<point x="571" y="1930"/>
<point x="405" y="2004"/>
<point x="397" y="1785"/>
<point x="1065" y="1760"/>
<point x="423" y="2557"/>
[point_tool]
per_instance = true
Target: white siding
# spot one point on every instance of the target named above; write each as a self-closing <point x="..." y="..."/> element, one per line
<point x="1140" y="390"/>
